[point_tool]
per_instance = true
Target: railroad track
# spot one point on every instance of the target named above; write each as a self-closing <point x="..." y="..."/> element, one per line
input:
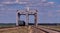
<point x="43" y="30"/>
<point x="38" y="30"/>
<point x="50" y="29"/>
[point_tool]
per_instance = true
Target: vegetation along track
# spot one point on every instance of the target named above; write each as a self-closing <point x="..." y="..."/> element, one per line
<point x="43" y="30"/>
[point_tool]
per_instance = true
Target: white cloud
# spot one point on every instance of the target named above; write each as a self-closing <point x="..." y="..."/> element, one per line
<point x="13" y="2"/>
<point x="43" y="0"/>
<point x="7" y="9"/>
<point x="42" y="3"/>
<point x="58" y="6"/>
<point x="1" y="5"/>
<point x="57" y="10"/>
<point x="8" y="2"/>
<point x="17" y="1"/>
<point x="51" y="3"/>
<point x="39" y="3"/>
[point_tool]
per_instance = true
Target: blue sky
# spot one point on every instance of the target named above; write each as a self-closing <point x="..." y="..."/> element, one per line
<point x="48" y="10"/>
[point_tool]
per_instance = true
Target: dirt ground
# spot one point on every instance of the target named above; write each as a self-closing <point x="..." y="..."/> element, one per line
<point x="22" y="29"/>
